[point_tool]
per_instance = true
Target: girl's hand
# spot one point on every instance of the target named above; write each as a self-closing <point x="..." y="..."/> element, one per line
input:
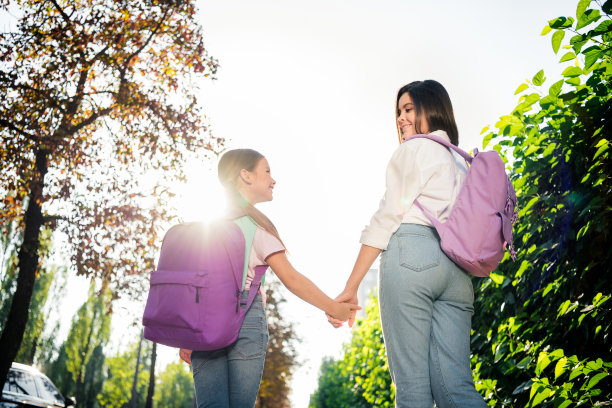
<point x="185" y="355"/>
<point x="349" y="297"/>
<point x="345" y="311"/>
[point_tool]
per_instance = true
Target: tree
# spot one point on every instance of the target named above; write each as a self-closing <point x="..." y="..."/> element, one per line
<point x="151" y="389"/>
<point x="38" y="341"/>
<point x="541" y="324"/>
<point x="94" y="94"/>
<point x="121" y="369"/>
<point x="79" y="367"/>
<point x="174" y="387"/>
<point x="281" y="356"/>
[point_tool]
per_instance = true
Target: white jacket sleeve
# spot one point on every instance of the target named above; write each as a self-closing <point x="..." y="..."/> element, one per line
<point x="404" y="184"/>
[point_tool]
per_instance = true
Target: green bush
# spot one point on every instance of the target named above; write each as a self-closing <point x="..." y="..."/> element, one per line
<point x="553" y="304"/>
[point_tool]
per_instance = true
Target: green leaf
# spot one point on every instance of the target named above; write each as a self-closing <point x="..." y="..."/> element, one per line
<point x="549" y="149"/>
<point x="556" y="40"/>
<point x="571" y="72"/>
<point x="601" y="150"/>
<point x="561" y="22"/>
<point x="582" y="6"/>
<point x="486" y="140"/>
<point x="546" y="30"/>
<point x="603" y="27"/>
<point x="563" y="308"/>
<point x="589" y="16"/>
<point x="555" y="89"/>
<point x="594" y="380"/>
<point x="560" y="367"/>
<point x="530" y="204"/>
<point x="573" y="81"/>
<point x="601" y="142"/>
<point x="543" y="362"/>
<point x="521" y="88"/>
<point x="568" y="56"/>
<point x="524" y="363"/>
<point x="531" y="149"/>
<point x="484" y="129"/>
<point x="575" y="373"/>
<point x="592" y="57"/>
<point x="498" y="279"/>
<point x="538" y="78"/>
<point x="539" y="393"/>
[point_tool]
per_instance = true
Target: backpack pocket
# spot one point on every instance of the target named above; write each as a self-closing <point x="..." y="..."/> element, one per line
<point x="176" y="299"/>
<point x="418" y="252"/>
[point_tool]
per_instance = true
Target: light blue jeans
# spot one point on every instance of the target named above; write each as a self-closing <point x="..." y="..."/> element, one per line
<point x="426" y="307"/>
<point x="230" y="377"/>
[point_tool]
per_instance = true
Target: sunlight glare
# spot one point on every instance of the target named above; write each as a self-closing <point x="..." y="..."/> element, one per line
<point x="201" y="198"/>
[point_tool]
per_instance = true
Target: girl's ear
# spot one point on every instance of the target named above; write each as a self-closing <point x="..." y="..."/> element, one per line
<point x="245" y="176"/>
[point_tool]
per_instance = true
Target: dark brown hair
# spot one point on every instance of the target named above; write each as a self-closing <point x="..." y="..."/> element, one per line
<point x="229" y="167"/>
<point x="430" y="99"/>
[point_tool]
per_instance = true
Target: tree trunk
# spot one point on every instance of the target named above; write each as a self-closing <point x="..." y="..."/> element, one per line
<point x="151" y="390"/>
<point x="82" y="367"/>
<point x="12" y="335"/>
<point x="33" y="351"/>
<point x="135" y="383"/>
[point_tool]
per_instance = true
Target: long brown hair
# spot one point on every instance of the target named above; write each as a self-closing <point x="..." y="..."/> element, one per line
<point x="228" y="170"/>
<point x="431" y="100"/>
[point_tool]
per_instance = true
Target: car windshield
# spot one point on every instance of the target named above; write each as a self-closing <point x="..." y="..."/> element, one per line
<point x="20" y="382"/>
<point x="47" y="390"/>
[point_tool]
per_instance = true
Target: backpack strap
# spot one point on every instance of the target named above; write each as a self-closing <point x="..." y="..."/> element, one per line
<point x="248" y="227"/>
<point x="468" y="158"/>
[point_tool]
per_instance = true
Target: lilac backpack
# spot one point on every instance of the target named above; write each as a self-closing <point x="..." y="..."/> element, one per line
<point x="195" y="300"/>
<point x="479" y="226"/>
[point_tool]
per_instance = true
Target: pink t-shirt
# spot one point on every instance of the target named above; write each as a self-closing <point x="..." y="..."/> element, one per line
<point x="264" y="245"/>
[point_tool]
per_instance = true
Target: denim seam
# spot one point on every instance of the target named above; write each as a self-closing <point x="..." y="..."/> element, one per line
<point x="447" y="394"/>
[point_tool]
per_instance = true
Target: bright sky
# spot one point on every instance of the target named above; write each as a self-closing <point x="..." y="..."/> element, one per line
<point x="312" y="85"/>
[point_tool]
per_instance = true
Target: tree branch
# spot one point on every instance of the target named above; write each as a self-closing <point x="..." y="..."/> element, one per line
<point x="63" y="14"/>
<point x="91" y="119"/>
<point x="11" y="126"/>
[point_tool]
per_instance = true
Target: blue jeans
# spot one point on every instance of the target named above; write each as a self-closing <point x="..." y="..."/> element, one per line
<point x="230" y="377"/>
<point x="426" y="307"/>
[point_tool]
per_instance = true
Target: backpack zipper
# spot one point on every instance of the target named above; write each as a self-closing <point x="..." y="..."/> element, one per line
<point x="197" y="295"/>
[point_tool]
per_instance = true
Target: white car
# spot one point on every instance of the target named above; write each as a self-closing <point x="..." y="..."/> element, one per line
<point x="25" y="386"/>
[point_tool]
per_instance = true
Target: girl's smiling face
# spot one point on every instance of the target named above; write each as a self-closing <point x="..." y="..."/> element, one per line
<point x="407" y="120"/>
<point x="258" y="184"/>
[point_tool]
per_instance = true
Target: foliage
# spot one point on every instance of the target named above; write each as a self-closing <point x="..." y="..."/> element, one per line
<point x="174" y="387"/>
<point x="553" y="304"/>
<point x="361" y="378"/>
<point x="117" y="388"/>
<point x="79" y="367"/>
<point x="281" y="356"/>
<point x="38" y="341"/>
<point x="97" y="94"/>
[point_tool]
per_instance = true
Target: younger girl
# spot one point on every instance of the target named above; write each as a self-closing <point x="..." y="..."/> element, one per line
<point x="426" y="301"/>
<point x="230" y="377"/>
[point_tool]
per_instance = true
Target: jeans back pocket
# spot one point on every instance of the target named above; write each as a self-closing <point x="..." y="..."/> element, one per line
<point x="418" y="252"/>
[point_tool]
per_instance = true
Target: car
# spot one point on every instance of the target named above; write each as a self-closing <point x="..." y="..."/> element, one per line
<point x="25" y="386"/>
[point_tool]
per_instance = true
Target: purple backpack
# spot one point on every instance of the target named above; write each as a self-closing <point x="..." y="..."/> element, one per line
<point x="195" y="300"/>
<point x="479" y="226"/>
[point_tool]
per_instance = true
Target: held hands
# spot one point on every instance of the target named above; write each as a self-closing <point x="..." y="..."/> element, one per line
<point x="345" y="311"/>
<point x="348" y="298"/>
